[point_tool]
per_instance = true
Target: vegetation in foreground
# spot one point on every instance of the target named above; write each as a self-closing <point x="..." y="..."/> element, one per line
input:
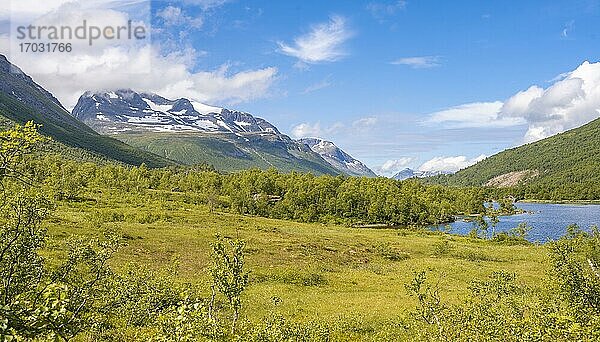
<point x="131" y="263"/>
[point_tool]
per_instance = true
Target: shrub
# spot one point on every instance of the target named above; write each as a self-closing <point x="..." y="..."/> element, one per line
<point x="442" y="248"/>
<point x="390" y="253"/>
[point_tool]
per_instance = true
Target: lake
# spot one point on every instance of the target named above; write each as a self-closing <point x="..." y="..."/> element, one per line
<point x="548" y="221"/>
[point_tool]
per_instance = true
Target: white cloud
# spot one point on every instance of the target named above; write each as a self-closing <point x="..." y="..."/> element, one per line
<point x="567" y="29"/>
<point x="138" y="66"/>
<point x="559" y="77"/>
<point x="305" y="130"/>
<point x="32" y="9"/>
<point x="322" y="44"/>
<point x="479" y="114"/>
<point x="451" y="164"/>
<point x="365" y="122"/>
<point x="571" y="101"/>
<point x="308" y="130"/>
<point x="381" y="10"/>
<point x="145" y="69"/>
<point x="206" y="4"/>
<point x="419" y="62"/>
<point x="518" y="105"/>
<point x="316" y="130"/>
<point x="317" y="86"/>
<point x="568" y="103"/>
<point x="391" y="167"/>
<point x="175" y="16"/>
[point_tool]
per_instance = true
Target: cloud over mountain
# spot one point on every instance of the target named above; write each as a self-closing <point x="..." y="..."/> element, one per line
<point x="141" y="65"/>
<point x="568" y="103"/>
<point x="451" y="164"/>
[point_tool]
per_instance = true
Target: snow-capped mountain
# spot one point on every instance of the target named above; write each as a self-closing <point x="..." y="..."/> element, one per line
<point x="192" y="132"/>
<point x="410" y="173"/>
<point x="126" y="110"/>
<point x="339" y="159"/>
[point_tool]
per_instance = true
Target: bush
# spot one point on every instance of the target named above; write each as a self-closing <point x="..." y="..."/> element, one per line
<point x="390" y="253"/>
<point x="442" y="248"/>
<point x="277" y="328"/>
<point x="293" y="277"/>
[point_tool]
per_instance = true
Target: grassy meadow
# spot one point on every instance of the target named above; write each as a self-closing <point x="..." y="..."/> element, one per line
<point x="301" y="271"/>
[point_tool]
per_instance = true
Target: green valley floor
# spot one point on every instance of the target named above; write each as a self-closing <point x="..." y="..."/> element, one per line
<point x="301" y="271"/>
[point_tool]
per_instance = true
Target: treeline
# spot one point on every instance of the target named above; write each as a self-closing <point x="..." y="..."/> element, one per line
<point x="583" y="185"/>
<point x="293" y="196"/>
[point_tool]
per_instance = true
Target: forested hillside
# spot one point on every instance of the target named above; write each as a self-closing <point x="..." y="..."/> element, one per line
<point x="293" y="196"/>
<point x="564" y="166"/>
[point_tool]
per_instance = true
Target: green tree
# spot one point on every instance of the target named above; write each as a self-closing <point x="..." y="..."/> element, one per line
<point x="15" y="145"/>
<point x="229" y="276"/>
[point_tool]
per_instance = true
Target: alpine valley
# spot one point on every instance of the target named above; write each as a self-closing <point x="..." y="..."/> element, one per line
<point x="150" y="206"/>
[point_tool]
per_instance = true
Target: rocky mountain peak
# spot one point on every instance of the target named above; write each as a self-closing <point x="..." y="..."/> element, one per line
<point x="337" y="157"/>
<point x="126" y="110"/>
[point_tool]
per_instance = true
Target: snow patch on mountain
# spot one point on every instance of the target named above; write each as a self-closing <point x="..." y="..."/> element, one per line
<point x="159" y="108"/>
<point x="116" y="111"/>
<point x="339" y="159"/>
<point x="205" y="109"/>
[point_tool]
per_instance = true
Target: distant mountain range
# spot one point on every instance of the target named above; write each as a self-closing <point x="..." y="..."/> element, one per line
<point x="410" y="173"/>
<point x="128" y="111"/>
<point x="159" y="132"/>
<point x="135" y="128"/>
<point x="138" y="127"/>
<point x="191" y="132"/>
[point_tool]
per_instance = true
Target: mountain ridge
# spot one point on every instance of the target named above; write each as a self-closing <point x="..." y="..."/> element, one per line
<point x="192" y="132"/>
<point x="338" y="158"/>
<point x="566" y="163"/>
<point x="408" y="173"/>
<point x="126" y="110"/>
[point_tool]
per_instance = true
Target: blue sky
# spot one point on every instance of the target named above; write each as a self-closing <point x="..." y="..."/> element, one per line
<point x="421" y="84"/>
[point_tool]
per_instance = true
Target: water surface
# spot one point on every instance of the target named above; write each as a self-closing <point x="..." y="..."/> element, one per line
<point x="548" y="221"/>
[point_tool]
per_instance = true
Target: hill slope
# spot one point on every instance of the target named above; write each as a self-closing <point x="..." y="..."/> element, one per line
<point x="568" y="161"/>
<point x="22" y="100"/>
<point x="229" y="152"/>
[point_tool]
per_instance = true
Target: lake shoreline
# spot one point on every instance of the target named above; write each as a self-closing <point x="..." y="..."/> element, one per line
<point x="548" y="220"/>
<point x="579" y="202"/>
